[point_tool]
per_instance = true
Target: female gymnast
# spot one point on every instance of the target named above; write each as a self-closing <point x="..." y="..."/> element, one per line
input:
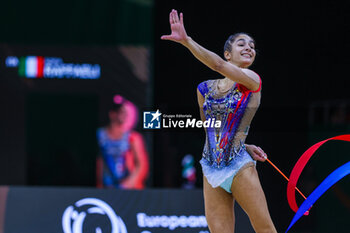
<point x="228" y="164"/>
<point x="123" y="159"/>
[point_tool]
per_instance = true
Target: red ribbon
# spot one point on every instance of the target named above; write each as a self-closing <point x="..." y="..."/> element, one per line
<point x="299" y="167"/>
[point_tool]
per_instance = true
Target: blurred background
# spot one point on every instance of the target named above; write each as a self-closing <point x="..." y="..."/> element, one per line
<point x="98" y="49"/>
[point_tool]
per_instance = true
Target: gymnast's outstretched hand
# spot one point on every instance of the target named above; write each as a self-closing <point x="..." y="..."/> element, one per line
<point x="178" y="32"/>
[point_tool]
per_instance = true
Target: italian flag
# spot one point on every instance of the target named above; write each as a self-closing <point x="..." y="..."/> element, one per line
<point x="31" y="67"/>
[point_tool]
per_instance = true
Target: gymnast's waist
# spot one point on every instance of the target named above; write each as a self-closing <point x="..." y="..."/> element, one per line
<point x="220" y="157"/>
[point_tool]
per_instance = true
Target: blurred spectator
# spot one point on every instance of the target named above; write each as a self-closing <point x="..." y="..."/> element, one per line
<point x="123" y="160"/>
<point x="188" y="172"/>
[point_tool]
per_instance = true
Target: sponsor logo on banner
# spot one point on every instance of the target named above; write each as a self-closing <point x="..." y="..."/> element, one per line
<point x="73" y="219"/>
<point x="171" y="222"/>
<point x="157" y="120"/>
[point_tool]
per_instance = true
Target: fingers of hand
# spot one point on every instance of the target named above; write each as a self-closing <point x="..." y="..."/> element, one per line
<point x="171" y="21"/>
<point x="173" y="16"/>
<point x="257" y="157"/>
<point x="259" y="154"/>
<point x="166" y="37"/>
<point x="182" y="18"/>
<point x="262" y="153"/>
<point x="176" y="16"/>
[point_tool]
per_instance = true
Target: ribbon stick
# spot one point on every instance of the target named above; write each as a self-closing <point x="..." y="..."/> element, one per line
<point x="274" y="166"/>
<point x="333" y="178"/>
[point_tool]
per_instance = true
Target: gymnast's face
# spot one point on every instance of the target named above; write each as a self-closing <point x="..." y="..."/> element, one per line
<point x="118" y="116"/>
<point x="243" y="51"/>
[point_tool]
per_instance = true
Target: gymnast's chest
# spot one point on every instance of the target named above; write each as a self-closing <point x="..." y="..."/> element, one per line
<point x="216" y="105"/>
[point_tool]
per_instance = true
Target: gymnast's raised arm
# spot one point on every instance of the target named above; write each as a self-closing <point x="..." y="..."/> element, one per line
<point x="239" y="74"/>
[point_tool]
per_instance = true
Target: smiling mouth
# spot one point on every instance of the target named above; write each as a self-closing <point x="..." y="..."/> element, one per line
<point x="246" y="55"/>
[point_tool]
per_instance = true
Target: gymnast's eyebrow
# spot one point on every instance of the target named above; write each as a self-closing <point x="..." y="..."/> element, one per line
<point x="251" y="41"/>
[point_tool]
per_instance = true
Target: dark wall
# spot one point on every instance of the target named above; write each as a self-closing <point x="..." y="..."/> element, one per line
<point x="77" y="22"/>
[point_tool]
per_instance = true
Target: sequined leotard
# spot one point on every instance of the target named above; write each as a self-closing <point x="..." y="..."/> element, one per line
<point x="224" y="152"/>
<point x="114" y="156"/>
